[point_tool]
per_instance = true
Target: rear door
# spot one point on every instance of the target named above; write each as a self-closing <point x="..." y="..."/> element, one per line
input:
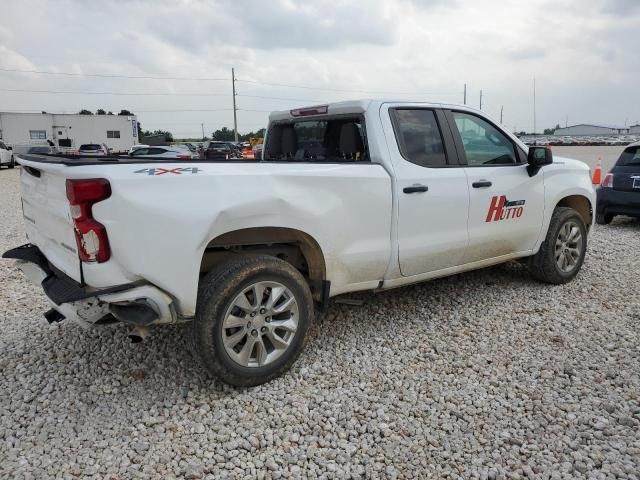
<point x="431" y="190"/>
<point x="47" y="217"/>
<point x="506" y="205"/>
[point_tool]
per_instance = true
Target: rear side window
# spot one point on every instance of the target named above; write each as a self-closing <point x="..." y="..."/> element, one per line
<point x="419" y="137"/>
<point x="334" y="140"/>
<point x="631" y="156"/>
<point x="90" y="147"/>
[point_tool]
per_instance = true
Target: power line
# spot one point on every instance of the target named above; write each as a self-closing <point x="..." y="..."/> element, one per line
<point x="108" y="75"/>
<point x="288" y="85"/>
<point x="216" y="79"/>
<point x="69" y="92"/>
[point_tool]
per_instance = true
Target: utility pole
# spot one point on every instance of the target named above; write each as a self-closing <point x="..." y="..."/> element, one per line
<point x="480" y="99"/>
<point x="203" y="137"/>
<point x="465" y="93"/>
<point x="534" y="105"/>
<point x="501" y="112"/>
<point x="235" y="115"/>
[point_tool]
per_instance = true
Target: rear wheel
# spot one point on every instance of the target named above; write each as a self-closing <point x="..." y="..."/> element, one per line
<point x="604" y="219"/>
<point x="252" y="319"/>
<point x="561" y="255"/>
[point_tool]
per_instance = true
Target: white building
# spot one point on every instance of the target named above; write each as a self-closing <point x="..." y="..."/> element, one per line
<point x="634" y="129"/>
<point x="589" y="130"/>
<point x="69" y="131"/>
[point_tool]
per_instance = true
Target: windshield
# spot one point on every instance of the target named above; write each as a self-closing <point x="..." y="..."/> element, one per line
<point x="631" y="156"/>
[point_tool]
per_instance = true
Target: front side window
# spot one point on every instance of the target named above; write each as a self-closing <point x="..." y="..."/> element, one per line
<point x="38" y="134"/>
<point x="419" y="137"/>
<point x="483" y="143"/>
<point x="334" y="140"/>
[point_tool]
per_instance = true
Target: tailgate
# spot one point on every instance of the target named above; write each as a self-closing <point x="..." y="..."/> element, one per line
<point x="627" y="178"/>
<point x="47" y="217"/>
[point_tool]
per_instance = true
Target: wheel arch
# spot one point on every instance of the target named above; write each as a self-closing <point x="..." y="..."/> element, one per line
<point x="580" y="204"/>
<point x="292" y="245"/>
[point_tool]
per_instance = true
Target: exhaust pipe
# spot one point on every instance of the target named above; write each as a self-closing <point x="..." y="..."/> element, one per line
<point x="138" y="334"/>
<point x="53" y="316"/>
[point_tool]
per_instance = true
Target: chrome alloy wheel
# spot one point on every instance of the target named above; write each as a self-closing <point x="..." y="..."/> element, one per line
<point x="569" y="246"/>
<point x="260" y="324"/>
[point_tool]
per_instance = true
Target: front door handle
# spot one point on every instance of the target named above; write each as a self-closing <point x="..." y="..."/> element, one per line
<point x="481" y="184"/>
<point x="415" y="189"/>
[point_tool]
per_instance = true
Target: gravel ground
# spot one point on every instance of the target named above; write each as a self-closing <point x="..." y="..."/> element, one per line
<point x="482" y="375"/>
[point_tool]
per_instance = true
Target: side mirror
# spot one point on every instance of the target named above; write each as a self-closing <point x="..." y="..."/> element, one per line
<point x="537" y="158"/>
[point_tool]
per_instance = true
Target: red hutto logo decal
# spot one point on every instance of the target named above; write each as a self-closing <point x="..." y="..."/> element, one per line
<point x="503" y="209"/>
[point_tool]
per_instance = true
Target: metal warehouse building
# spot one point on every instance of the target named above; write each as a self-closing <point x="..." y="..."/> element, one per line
<point x="585" y="129"/>
<point x="69" y="131"/>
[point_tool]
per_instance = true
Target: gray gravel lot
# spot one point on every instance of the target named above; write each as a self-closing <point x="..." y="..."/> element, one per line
<point x="482" y="375"/>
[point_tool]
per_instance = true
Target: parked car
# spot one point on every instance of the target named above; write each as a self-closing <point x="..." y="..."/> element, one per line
<point x="6" y="156"/>
<point x="619" y="192"/>
<point x="257" y="151"/>
<point x="162" y="152"/>
<point x="93" y="150"/>
<point x="215" y="150"/>
<point x="361" y="195"/>
<point x="136" y="147"/>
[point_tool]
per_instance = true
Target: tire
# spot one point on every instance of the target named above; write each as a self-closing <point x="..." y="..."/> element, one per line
<point x="544" y="265"/>
<point x="12" y="163"/>
<point x="604" y="219"/>
<point x="220" y="293"/>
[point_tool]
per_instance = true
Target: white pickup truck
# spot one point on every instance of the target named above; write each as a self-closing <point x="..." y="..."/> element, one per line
<point x="358" y="195"/>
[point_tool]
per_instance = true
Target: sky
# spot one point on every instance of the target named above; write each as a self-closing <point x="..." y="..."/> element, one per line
<point x="583" y="55"/>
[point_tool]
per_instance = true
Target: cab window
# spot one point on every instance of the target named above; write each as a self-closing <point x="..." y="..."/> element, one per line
<point x="419" y="137"/>
<point x="483" y="143"/>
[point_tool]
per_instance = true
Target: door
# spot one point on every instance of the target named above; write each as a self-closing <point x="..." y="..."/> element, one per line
<point x="431" y="191"/>
<point x="506" y="205"/>
<point x="5" y="155"/>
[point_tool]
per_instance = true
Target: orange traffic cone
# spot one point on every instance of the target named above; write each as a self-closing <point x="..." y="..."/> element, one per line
<point x="597" y="174"/>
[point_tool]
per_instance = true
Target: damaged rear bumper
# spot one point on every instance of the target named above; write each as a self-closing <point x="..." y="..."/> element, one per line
<point x="137" y="303"/>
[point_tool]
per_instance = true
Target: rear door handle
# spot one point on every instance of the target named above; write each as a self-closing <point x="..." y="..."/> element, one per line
<point x="415" y="189"/>
<point x="481" y="184"/>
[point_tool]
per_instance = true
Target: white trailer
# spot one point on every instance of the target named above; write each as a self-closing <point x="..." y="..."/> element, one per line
<point x="69" y="131"/>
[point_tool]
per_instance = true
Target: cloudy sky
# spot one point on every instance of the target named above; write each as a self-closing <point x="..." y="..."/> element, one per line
<point x="583" y="54"/>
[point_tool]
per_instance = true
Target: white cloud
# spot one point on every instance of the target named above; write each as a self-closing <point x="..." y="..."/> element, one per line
<point x="584" y="62"/>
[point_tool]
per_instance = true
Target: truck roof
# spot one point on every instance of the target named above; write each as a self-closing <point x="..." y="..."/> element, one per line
<point x="345" y="107"/>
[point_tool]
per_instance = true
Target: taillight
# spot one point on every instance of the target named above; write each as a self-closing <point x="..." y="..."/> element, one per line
<point x="607" y="182"/>
<point x="91" y="236"/>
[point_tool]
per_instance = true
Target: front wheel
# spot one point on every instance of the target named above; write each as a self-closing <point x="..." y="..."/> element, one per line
<point x="561" y="255"/>
<point x="252" y="319"/>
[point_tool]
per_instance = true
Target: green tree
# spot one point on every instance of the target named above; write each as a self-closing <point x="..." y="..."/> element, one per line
<point x="125" y="112"/>
<point x="223" y="134"/>
<point x="84" y="111"/>
<point x="100" y="112"/>
<point x="110" y="113"/>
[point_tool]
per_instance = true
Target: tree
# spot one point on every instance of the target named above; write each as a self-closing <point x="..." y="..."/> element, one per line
<point x="549" y="131"/>
<point x="125" y="112"/>
<point x="100" y="112"/>
<point x="223" y="134"/>
<point x="110" y="113"/>
<point x="168" y="136"/>
<point x="84" y="111"/>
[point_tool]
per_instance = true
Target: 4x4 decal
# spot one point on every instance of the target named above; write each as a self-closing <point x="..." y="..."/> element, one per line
<point x="175" y="171"/>
<point x="503" y="209"/>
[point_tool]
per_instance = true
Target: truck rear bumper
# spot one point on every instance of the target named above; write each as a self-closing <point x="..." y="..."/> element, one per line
<point x="135" y="303"/>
